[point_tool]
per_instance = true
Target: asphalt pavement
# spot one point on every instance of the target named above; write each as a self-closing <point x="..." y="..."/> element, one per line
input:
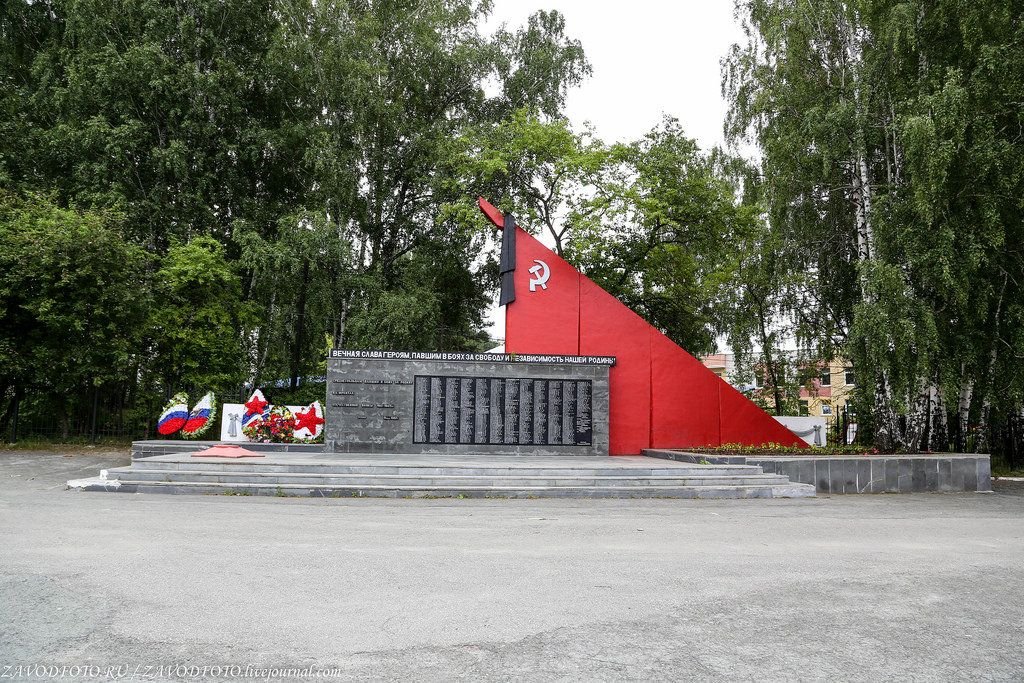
<point x="872" y="587"/>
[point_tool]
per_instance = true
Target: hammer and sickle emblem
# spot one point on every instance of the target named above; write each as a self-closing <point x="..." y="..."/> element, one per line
<point x="541" y="274"/>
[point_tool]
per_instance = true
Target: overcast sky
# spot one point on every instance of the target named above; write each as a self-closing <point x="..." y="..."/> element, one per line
<point x="650" y="57"/>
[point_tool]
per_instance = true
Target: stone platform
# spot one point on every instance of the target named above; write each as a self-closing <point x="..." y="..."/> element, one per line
<point x="283" y="473"/>
<point x="152" y="447"/>
<point x="910" y="473"/>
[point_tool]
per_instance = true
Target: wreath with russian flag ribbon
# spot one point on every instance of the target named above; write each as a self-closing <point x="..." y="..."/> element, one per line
<point x="174" y="415"/>
<point x="200" y="419"/>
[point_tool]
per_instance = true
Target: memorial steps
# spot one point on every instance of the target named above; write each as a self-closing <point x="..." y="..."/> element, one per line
<point x="427" y="476"/>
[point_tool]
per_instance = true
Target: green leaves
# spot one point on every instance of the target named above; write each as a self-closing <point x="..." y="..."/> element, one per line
<point x="538" y="64"/>
<point x="193" y="319"/>
<point x="892" y="166"/>
<point x="657" y="230"/>
<point x="896" y="332"/>
<point x="73" y="296"/>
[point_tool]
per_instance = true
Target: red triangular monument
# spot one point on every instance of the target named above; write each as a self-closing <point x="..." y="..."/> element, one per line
<point x="661" y="396"/>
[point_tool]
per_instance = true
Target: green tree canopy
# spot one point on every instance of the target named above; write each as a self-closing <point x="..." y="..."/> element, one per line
<point x="193" y="320"/>
<point x="658" y="231"/>
<point x="892" y="174"/>
<point x="73" y="299"/>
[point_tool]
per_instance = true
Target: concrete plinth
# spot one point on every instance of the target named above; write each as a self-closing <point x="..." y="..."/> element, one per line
<point x="432" y="476"/>
<point x="463" y="403"/>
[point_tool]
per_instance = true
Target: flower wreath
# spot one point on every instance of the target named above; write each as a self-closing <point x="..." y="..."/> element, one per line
<point x="174" y="415"/>
<point x="201" y="418"/>
<point x="278" y="427"/>
<point x="309" y="423"/>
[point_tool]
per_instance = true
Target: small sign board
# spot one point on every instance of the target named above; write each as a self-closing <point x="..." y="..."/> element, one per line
<point x="231" y="422"/>
<point x="461" y="356"/>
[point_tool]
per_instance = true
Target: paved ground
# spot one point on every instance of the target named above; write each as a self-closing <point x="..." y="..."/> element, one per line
<point x="860" y="587"/>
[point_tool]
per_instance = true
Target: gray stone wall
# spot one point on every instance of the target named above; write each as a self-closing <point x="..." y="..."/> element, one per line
<point x="370" y="404"/>
<point x="925" y="473"/>
<point x="886" y="474"/>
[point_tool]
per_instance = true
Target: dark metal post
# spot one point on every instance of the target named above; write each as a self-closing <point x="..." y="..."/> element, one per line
<point x="95" y="402"/>
<point x="14" y="419"/>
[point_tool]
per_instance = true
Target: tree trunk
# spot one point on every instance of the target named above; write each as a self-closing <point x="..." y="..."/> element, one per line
<point x="12" y="407"/>
<point x="939" y="438"/>
<point x="917" y="418"/>
<point x="935" y="437"/>
<point x="6" y="405"/>
<point x="888" y="432"/>
<point x="300" y="326"/>
<point x="772" y="368"/>
<point x="766" y="353"/>
<point x="262" y="341"/>
<point x="926" y="435"/>
<point x="862" y="210"/>
<point x="886" y="423"/>
<point x="963" y="411"/>
<point x="982" y="443"/>
<point x="339" y="327"/>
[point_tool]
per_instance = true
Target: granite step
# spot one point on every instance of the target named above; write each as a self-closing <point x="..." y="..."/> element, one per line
<point x="443" y="476"/>
<point x="229" y="475"/>
<point x="393" y="491"/>
<point x="440" y="470"/>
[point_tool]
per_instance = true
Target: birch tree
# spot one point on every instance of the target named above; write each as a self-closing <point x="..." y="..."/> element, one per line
<point x="890" y="154"/>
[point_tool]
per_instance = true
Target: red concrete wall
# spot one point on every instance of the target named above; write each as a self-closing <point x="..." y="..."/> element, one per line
<point x="661" y="396"/>
<point x="743" y="422"/>
<point x="550" y="323"/>
<point x="684" y="398"/>
<point x="607" y="328"/>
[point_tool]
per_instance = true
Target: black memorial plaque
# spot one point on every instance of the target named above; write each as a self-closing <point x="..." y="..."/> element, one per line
<point x="435" y="432"/>
<point x="421" y="426"/>
<point x="467" y="410"/>
<point x="482" y="410"/>
<point x="540" y="412"/>
<point x="496" y="435"/>
<point x="452" y="412"/>
<point x="584" y="414"/>
<point x="511" y="418"/>
<point x="510" y="411"/>
<point x="526" y="411"/>
<point x="452" y="403"/>
<point x="554" y="416"/>
<point x="568" y="413"/>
